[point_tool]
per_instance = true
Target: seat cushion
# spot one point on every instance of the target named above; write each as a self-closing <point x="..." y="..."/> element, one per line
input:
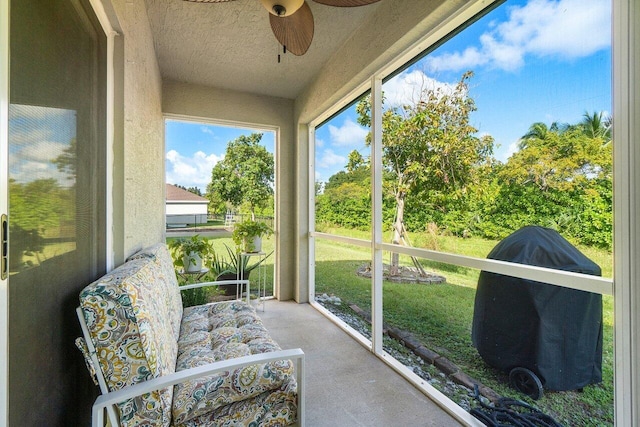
<point x="167" y="285"/>
<point x="275" y="408"/>
<point x="221" y="331"/>
<point x="131" y="330"/>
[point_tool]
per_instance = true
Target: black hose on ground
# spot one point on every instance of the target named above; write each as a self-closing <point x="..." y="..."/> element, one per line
<point x="507" y="412"/>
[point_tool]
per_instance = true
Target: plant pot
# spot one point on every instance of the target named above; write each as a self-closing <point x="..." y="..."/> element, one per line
<point x="231" y="289"/>
<point x="192" y="262"/>
<point x="253" y="244"/>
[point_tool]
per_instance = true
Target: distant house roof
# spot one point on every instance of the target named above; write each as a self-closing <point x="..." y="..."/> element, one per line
<point x="177" y="194"/>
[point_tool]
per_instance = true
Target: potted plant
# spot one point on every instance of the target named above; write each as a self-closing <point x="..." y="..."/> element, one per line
<point x="189" y="252"/>
<point x="233" y="265"/>
<point x="248" y="235"/>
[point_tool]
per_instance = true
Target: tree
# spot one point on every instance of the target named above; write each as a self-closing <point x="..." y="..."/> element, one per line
<point x="429" y="146"/>
<point x="561" y="157"/>
<point x="357" y="172"/>
<point x="194" y="190"/>
<point x="244" y="175"/>
<point x="348" y="205"/>
<point x="346" y="197"/>
<point x="356" y="161"/>
<point x="596" y="125"/>
<point x="560" y="177"/>
<point x="67" y="161"/>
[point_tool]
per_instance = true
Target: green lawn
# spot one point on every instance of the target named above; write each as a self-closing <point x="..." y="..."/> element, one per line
<point x="441" y="317"/>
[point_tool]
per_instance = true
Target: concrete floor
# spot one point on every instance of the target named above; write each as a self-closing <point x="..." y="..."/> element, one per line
<point x="346" y="385"/>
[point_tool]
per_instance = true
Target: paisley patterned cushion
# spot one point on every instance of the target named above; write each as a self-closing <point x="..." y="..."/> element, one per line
<point x="140" y="331"/>
<point x="167" y="285"/>
<point x="277" y="408"/>
<point x="236" y="331"/>
<point x="133" y="337"/>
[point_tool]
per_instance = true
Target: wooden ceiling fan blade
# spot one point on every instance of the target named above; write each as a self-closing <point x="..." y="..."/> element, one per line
<point x="295" y="32"/>
<point x="346" y="3"/>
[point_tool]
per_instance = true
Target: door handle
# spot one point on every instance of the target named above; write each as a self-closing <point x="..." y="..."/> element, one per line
<point x="4" y="250"/>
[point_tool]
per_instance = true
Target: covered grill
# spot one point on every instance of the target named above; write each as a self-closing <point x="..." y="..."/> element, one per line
<point x="543" y="335"/>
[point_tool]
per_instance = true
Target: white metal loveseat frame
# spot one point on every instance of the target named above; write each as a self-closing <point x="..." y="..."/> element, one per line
<point x="108" y="400"/>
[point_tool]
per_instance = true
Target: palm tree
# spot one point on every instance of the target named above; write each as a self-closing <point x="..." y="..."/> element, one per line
<point x="538" y="131"/>
<point x="596" y="125"/>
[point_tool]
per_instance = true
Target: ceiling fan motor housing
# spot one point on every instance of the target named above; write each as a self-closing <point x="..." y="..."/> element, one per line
<point x="282" y="7"/>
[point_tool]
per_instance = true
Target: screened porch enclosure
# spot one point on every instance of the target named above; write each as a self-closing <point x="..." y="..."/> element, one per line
<point x="408" y="207"/>
<point x="146" y="61"/>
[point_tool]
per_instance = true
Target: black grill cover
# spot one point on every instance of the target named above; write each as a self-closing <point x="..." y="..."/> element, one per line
<point x="553" y="331"/>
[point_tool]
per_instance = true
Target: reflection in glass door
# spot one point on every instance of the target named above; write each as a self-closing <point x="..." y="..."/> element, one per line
<point x="56" y="202"/>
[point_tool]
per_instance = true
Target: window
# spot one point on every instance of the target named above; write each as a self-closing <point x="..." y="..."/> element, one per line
<point x="462" y="131"/>
<point x="211" y="186"/>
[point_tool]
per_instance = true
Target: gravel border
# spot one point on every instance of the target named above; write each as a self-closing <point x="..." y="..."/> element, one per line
<point x="437" y="370"/>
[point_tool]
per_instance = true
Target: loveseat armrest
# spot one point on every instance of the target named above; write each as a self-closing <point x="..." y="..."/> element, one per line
<point x="218" y="283"/>
<point x="114" y="397"/>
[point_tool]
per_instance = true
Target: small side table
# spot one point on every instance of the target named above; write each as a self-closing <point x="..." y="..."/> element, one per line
<point x="188" y="275"/>
<point x="260" y="270"/>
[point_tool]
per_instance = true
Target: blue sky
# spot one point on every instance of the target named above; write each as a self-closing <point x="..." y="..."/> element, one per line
<point x="533" y="61"/>
<point x="193" y="149"/>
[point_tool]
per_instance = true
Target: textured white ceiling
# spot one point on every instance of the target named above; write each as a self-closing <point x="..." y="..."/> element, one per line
<point x="230" y="45"/>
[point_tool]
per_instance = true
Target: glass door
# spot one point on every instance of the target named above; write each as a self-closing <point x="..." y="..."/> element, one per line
<point x="56" y="202"/>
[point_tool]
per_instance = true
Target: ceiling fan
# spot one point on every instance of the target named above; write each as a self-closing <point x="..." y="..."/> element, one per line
<point x="292" y="20"/>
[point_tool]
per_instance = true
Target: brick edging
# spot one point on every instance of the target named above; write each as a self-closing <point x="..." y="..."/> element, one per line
<point x="443" y="364"/>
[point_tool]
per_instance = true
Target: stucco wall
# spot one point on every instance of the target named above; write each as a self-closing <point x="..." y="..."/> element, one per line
<point x="141" y="192"/>
<point x="218" y="105"/>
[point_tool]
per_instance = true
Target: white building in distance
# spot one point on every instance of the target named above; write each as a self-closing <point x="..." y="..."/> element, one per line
<point x="184" y="207"/>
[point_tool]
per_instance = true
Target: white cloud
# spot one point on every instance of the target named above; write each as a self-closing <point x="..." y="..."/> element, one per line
<point x="36" y="161"/>
<point x="330" y="159"/>
<point x="29" y="135"/>
<point x="32" y="124"/>
<point x="467" y="59"/>
<point x="566" y="29"/>
<point x="350" y="134"/>
<point x="191" y="172"/>
<point x="511" y="150"/>
<point x="207" y="129"/>
<point x="42" y="151"/>
<point x="25" y="171"/>
<point x="406" y="88"/>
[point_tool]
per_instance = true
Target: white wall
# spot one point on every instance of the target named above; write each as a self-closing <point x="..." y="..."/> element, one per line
<point x="186" y="208"/>
<point x="183" y="213"/>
